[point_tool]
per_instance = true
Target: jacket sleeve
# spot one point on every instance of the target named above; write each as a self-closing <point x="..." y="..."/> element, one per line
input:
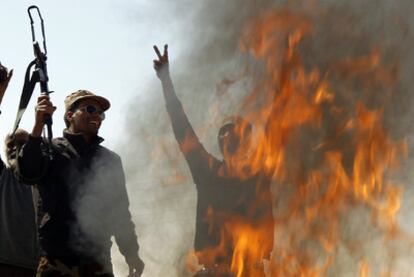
<point x="124" y="228"/>
<point x="195" y="154"/>
<point x="32" y="161"/>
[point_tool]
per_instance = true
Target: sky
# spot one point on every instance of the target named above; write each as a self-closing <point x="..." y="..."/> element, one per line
<point x="102" y="46"/>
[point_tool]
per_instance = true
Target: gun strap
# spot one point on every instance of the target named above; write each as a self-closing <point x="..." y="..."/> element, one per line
<point x="28" y="87"/>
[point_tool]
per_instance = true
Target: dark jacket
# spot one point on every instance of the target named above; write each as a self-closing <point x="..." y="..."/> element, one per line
<point x="223" y="200"/>
<point x="83" y="199"/>
<point x="18" y="238"/>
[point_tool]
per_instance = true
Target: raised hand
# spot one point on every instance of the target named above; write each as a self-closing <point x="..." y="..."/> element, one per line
<point x="5" y="77"/>
<point x="43" y="108"/>
<point x="161" y="65"/>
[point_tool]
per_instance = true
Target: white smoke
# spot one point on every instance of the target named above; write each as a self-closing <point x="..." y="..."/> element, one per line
<point x="161" y="191"/>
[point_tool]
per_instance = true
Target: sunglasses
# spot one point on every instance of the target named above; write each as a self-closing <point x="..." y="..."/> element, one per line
<point x="91" y="109"/>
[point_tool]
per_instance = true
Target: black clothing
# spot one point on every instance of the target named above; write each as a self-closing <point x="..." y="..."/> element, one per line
<point x="227" y="197"/>
<point x="222" y="198"/>
<point x="18" y="237"/>
<point x="56" y="268"/>
<point x="7" y="270"/>
<point x="83" y="200"/>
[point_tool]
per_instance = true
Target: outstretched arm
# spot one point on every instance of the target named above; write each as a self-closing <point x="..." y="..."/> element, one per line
<point x="184" y="133"/>
<point x="180" y="123"/>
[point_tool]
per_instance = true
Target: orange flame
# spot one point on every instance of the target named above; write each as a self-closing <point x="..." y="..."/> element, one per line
<point x="364" y="269"/>
<point x="328" y="156"/>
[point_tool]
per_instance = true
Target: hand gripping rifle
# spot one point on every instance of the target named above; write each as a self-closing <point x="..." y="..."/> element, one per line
<point x="39" y="75"/>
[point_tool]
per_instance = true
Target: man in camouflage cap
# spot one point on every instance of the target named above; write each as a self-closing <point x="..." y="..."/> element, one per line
<point x="83" y="192"/>
<point x="73" y="100"/>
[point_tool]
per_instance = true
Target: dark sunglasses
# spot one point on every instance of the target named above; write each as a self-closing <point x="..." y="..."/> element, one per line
<point x="91" y="109"/>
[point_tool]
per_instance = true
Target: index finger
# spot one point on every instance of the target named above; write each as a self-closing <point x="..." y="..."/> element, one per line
<point x="157" y="52"/>
<point x="166" y="50"/>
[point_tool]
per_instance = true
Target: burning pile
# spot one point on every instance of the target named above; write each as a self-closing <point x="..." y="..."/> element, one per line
<point x="332" y="156"/>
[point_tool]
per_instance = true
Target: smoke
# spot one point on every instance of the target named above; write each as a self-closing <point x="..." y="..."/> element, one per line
<point x="209" y="80"/>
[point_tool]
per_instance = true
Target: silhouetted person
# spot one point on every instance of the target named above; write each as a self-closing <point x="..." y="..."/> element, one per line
<point x="18" y="237"/>
<point x="84" y="201"/>
<point x="227" y="193"/>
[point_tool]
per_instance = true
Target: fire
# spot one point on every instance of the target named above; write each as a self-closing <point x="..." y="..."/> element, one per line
<point x="364" y="269"/>
<point x="329" y="156"/>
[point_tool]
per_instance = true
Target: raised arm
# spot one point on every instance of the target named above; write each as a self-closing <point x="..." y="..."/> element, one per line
<point x="30" y="162"/>
<point x="33" y="158"/>
<point x="5" y="77"/>
<point x="184" y="133"/>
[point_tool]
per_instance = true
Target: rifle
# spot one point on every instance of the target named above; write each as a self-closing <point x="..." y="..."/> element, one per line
<point x="39" y="75"/>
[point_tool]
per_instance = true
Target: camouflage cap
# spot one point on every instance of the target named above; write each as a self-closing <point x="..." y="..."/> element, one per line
<point x="85" y="94"/>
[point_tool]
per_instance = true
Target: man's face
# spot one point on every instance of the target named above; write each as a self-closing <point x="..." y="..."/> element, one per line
<point x="234" y="138"/>
<point x="87" y="118"/>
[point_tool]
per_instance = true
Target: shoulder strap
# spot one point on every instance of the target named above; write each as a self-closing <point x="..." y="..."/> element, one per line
<point x="28" y="87"/>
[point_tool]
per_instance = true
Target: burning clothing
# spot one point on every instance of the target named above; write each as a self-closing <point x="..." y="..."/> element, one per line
<point x="18" y="238"/>
<point x="225" y="201"/>
<point x="83" y="200"/>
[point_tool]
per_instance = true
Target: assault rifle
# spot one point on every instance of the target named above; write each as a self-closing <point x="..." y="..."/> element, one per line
<point x="39" y="75"/>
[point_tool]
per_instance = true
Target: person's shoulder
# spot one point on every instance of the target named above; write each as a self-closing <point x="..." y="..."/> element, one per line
<point x="106" y="152"/>
<point x="8" y="177"/>
<point x="2" y="166"/>
<point x="4" y="171"/>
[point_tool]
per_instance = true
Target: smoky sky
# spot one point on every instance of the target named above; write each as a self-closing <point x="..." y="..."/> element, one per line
<point x="208" y="78"/>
